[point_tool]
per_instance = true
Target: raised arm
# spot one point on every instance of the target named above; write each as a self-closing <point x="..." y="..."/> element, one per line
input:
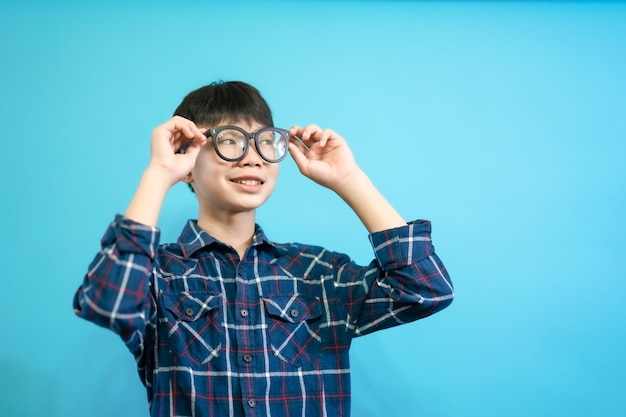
<point x="407" y="281"/>
<point x="330" y="163"/>
<point x="167" y="167"/>
<point x="116" y="292"/>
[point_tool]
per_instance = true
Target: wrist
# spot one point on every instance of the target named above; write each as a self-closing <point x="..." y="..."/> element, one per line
<point x="354" y="183"/>
<point x="358" y="191"/>
<point x="146" y="204"/>
<point x="159" y="176"/>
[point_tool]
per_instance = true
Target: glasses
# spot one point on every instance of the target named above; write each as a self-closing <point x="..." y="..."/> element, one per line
<point x="232" y="143"/>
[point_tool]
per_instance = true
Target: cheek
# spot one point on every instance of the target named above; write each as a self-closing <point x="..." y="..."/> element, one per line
<point x="273" y="173"/>
<point x="276" y="169"/>
<point x="207" y="162"/>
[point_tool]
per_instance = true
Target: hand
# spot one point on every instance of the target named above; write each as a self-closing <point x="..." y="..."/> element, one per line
<point x="328" y="161"/>
<point x="168" y="139"/>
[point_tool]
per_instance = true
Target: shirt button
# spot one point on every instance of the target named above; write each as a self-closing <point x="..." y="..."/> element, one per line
<point x="189" y="311"/>
<point x="251" y="402"/>
<point x="244" y="312"/>
<point x="247" y="357"/>
<point x="294" y="313"/>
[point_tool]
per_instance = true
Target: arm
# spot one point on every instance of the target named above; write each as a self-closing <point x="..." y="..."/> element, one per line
<point x="116" y="289"/>
<point x="116" y="292"/>
<point x="166" y="168"/>
<point x="407" y="281"/>
<point x="330" y="163"/>
<point x="411" y="281"/>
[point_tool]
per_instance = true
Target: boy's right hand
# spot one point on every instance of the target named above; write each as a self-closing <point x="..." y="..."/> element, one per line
<point x="166" y="168"/>
<point x="167" y="140"/>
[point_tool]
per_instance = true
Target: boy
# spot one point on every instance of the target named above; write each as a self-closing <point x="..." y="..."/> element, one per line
<point x="226" y="322"/>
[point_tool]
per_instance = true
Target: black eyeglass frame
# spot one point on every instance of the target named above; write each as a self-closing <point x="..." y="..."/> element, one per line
<point x="215" y="131"/>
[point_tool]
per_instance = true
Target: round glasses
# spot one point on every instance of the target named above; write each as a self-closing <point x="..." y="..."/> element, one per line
<point x="232" y="143"/>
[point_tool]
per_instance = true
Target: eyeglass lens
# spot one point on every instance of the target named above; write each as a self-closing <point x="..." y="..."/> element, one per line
<point x="271" y="144"/>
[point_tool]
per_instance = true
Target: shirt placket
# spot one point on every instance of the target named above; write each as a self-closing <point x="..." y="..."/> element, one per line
<point x="247" y="319"/>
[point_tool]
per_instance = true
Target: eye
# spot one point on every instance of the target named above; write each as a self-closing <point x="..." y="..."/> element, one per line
<point x="226" y="141"/>
<point x="267" y="139"/>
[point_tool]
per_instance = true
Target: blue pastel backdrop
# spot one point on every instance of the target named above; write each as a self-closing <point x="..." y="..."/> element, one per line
<point x="502" y="123"/>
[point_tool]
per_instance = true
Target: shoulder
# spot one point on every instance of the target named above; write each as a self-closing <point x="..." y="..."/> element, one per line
<point x="295" y="252"/>
<point x="292" y="248"/>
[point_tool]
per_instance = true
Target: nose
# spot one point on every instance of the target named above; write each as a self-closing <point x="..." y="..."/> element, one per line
<point x="252" y="156"/>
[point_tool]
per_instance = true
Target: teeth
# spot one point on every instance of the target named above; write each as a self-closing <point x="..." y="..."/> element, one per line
<point x="247" y="182"/>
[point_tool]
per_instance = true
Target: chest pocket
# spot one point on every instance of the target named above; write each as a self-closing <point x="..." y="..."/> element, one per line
<point x="194" y="325"/>
<point x="293" y="325"/>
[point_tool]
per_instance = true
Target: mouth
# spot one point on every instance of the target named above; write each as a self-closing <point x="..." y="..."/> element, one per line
<point x="247" y="181"/>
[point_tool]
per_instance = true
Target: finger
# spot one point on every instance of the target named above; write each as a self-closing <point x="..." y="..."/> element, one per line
<point x="183" y="133"/>
<point x="299" y="143"/>
<point x="325" y="136"/>
<point x="176" y="124"/>
<point x="190" y="130"/>
<point x="295" y="130"/>
<point x="299" y="158"/>
<point x="308" y="132"/>
<point x="191" y="144"/>
<point x="186" y="126"/>
<point x="192" y="150"/>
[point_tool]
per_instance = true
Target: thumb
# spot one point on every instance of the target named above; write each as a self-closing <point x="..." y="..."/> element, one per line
<point x="300" y="159"/>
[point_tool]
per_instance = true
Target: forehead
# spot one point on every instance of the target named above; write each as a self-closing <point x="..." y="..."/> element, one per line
<point x="247" y="125"/>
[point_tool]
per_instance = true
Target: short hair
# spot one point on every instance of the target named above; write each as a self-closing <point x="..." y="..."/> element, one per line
<point x="230" y="101"/>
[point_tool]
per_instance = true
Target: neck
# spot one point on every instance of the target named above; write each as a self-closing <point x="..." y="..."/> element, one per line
<point x="235" y="229"/>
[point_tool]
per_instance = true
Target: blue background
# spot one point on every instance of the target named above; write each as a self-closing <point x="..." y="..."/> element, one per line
<point x="502" y="123"/>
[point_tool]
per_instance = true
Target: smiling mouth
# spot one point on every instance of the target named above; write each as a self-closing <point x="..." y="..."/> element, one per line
<point x="247" y="182"/>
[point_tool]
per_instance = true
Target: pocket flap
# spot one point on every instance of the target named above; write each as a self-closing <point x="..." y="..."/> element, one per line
<point x="191" y="306"/>
<point x="293" y="308"/>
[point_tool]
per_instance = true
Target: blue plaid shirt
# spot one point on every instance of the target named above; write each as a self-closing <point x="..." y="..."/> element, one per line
<point x="266" y="335"/>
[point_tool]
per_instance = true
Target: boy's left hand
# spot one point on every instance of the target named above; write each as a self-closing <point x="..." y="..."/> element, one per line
<point x="328" y="161"/>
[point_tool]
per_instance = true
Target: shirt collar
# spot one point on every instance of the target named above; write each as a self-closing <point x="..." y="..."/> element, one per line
<point x="193" y="238"/>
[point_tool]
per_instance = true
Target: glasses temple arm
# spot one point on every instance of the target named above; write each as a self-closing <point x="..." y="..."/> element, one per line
<point x="301" y="142"/>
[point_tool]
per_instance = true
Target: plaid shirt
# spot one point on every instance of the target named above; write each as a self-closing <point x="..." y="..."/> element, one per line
<point x="266" y="335"/>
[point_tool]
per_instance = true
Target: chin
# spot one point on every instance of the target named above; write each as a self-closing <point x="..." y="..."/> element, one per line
<point x="252" y="203"/>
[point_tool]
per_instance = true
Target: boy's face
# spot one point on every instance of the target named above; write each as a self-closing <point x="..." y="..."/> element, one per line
<point x="233" y="186"/>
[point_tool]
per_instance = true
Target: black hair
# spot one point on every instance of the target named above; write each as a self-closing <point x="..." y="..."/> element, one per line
<point x="225" y="101"/>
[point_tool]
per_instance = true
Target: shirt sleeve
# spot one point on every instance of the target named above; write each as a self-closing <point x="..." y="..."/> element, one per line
<point x="116" y="290"/>
<point x="407" y="280"/>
